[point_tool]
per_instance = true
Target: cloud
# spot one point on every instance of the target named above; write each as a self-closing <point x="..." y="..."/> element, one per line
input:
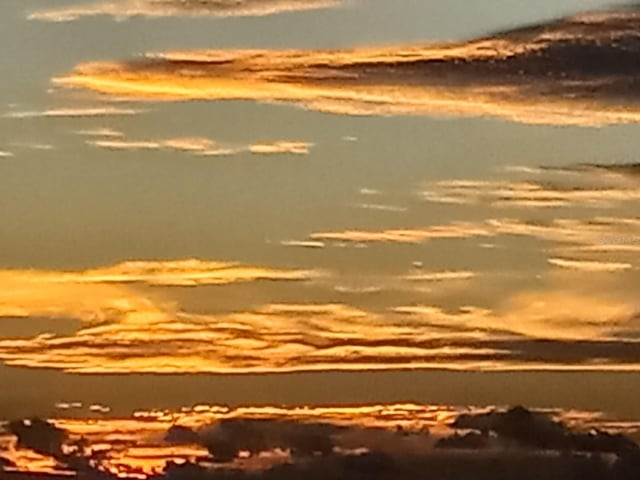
<point x="590" y="266"/>
<point x="201" y="146"/>
<point x="579" y="70"/>
<point x="125" y="332"/>
<point x="372" y="441"/>
<point x="75" y="112"/>
<point x="5" y="154"/>
<point x="381" y="207"/>
<point x="529" y="194"/>
<point x="303" y="244"/>
<point x="100" y="132"/>
<point x="406" y="235"/>
<point x="598" y="234"/>
<point x="296" y="148"/>
<point x="441" y="276"/>
<point x="169" y="8"/>
<point x="39" y="435"/>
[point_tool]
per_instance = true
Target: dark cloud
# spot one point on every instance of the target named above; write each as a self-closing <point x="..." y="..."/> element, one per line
<point x="39" y="435"/>
<point x="228" y="438"/>
<point x="526" y="429"/>
<point x="579" y="70"/>
<point x="510" y="444"/>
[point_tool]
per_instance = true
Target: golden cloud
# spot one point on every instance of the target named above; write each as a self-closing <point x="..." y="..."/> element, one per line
<point x="547" y="74"/>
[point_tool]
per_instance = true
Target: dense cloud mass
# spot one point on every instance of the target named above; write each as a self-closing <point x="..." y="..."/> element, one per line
<point x="166" y="8"/>
<point x="580" y="70"/>
<point x="383" y="442"/>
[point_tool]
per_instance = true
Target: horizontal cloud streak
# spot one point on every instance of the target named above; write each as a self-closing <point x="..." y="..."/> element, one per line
<point x="123" y="330"/>
<point x="75" y="112"/>
<point x="577" y="71"/>
<point x="590" y="266"/>
<point x="170" y="8"/>
<point x="202" y="146"/>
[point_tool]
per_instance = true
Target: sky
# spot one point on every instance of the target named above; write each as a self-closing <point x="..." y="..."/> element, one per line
<point x="321" y="204"/>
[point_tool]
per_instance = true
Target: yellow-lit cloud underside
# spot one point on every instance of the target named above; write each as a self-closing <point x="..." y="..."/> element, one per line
<point x="548" y="74"/>
<point x="126" y="328"/>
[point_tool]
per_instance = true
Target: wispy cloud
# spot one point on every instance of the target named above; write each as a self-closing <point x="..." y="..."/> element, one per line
<point x="590" y="265"/>
<point x="5" y="154"/>
<point x="201" y="146"/>
<point x="406" y="235"/>
<point x="267" y="148"/>
<point x="441" y="276"/>
<point x="584" y="185"/>
<point x="303" y="243"/>
<point x="100" y="132"/>
<point x="530" y="193"/>
<point x="75" y="112"/>
<point x="548" y="74"/>
<point x="380" y="207"/>
<point x="165" y="8"/>
<point x="125" y="328"/>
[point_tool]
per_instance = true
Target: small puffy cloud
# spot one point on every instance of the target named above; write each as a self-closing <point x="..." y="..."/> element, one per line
<point x="169" y="8"/>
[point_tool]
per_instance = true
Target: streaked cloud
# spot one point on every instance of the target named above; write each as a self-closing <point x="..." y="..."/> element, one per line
<point x="583" y="185"/>
<point x="5" y="154"/>
<point x="125" y="328"/>
<point x="406" y="235"/>
<point x="596" y="234"/>
<point x="201" y="146"/>
<point x="296" y="148"/>
<point x="302" y="243"/>
<point x="105" y="111"/>
<point x="545" y="74"/>
<point x="122" y="9"/>
<point x="529" y="193"/>
<point x="380" y="207"/>
<point x="441" y="276"/>
<point x="590" y="265"/>
<point x="100" y="132"/>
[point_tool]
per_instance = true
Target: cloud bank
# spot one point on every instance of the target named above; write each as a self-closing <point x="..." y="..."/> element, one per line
<point x="579" y="70"/>
<point x="361" y="441"/>
<point x="125" y="327"/>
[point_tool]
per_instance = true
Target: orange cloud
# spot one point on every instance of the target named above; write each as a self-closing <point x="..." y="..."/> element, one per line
<point x="532" y="75"/>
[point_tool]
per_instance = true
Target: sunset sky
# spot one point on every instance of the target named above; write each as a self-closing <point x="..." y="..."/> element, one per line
<point x="315" y="212"/>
